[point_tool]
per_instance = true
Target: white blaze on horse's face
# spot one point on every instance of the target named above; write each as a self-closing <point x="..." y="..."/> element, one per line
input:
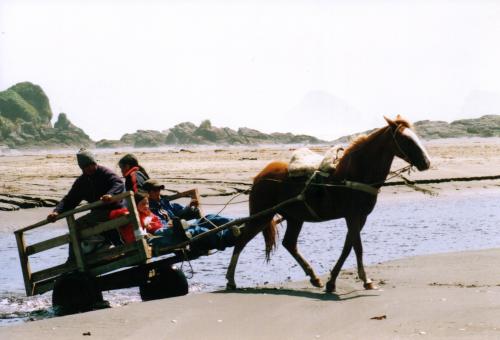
<point x="419" y="157"/>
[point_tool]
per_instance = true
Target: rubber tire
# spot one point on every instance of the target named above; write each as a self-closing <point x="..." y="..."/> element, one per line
<point x="168" y="282"/>
<point x="75" y="293"/>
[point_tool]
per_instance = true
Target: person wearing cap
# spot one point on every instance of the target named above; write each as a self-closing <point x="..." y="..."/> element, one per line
<point x="95" y="183"/>
<point x="171" y="214"/>
<point x="135" y="175"/>
<point x="166" y="210"/>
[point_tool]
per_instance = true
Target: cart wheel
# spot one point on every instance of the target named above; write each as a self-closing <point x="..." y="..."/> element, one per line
<point x="75" y="293"/>
<point x="168" y="282"/>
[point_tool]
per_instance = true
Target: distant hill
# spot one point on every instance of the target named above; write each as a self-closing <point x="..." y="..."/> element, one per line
<point x="25" y="116"/>
<point x="485" y="126"/>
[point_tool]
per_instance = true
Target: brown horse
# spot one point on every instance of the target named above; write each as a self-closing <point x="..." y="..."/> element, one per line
<point x="366" y="162"/>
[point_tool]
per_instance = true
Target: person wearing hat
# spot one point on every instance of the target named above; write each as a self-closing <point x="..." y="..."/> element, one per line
<point x="95" y="183"/>
<point x="171" y="214"/>
<point x="166" y="210"/>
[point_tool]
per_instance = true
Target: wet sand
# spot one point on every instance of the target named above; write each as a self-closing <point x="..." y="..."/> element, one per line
<point x="225" y="171"/>
<point x="454" y="295"/>
<point x="445" y="296"/>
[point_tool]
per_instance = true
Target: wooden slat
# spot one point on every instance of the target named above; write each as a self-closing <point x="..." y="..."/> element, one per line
<point x="136" y="224"/>
<point x="130" y="260"/>
<point x="193" y="194"/>
<point x="76" y="210"/>
<point x="75" y="242"/>
<point x="53" y="271"/>
<point x="44" y="286"/>
<point x="110" y="253"/>
<point x="47" y="244"/>
<point x="47" y="284"/>
<point x="134" y="217"/>
<point x="188" y="193"/>
<point x="25" y="264"/>
<point x="198" y="198"/>
<point x="101" y="227"/>
<point x="146" y="249"/>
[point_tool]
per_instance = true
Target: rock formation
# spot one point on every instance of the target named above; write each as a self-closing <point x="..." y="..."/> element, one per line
<point x="485" y="126"/>
<point x="188" y="133"/>
<point x="25" y="116"/>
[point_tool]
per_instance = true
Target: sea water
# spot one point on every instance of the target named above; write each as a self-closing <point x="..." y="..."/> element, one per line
<point x="397" y="228"/>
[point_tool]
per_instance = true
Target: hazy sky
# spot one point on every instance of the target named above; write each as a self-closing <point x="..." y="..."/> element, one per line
<point x="325" y="68"/>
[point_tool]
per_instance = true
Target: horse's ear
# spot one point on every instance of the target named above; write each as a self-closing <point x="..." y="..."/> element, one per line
<point x="390" y="122"/>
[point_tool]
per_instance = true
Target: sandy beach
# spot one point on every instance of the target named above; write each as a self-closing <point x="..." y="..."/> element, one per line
<point x="444" y="296"/>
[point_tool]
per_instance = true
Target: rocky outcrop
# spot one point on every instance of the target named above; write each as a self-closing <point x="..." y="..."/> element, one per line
<point x="25" y="116"/>
<point x="485" y="126"/>
<point x="144" y="138"/>
<point x="188" y="133"/>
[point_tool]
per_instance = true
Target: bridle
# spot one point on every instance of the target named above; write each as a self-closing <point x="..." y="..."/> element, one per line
<point x="405" y="156"/>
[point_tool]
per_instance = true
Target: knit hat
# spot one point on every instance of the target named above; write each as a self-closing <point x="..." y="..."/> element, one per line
<point x="84" y="157"/>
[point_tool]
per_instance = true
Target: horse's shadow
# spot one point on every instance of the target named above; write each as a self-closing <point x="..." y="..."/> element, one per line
<point x="310" y="294"/>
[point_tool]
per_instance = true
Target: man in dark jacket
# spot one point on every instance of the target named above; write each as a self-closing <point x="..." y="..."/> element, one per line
<point x="95" y="183"/>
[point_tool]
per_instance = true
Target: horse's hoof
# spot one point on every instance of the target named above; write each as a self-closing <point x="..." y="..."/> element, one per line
<point x="316" y="283"/>
<point x="370" y="286"/>
<point x="330" y="287"/>
<point x="231" y="286"/>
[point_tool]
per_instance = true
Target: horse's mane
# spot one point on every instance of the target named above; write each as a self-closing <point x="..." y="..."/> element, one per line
<point x="361" y="140"/>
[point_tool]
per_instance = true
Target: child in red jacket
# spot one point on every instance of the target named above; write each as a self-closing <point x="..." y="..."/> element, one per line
<point x="149" y="221"/>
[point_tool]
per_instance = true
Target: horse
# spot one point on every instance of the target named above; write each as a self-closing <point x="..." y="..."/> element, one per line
<point x="352" y="194"/>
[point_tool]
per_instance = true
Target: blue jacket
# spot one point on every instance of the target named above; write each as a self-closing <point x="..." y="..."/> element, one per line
<point x="172" y="209"/>
<point x="91" y="189"/>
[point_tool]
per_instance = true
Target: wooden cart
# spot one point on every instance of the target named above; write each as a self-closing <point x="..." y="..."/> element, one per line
<point x="78" y="284"/>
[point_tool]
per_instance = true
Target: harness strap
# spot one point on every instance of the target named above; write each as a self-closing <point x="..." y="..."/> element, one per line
<point x="311" y="211"/>
<point x="303" y="197"/>
<point x="362" y="187"/>
<point x="348" y="184"/>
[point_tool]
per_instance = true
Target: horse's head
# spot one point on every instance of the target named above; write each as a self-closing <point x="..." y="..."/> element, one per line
<point x="407" y="144"/>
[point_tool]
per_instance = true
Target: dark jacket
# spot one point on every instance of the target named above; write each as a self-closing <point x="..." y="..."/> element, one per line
<point x="91" y="189"/>
<point x="134" y="179"/>
<point x="172" y="210"/>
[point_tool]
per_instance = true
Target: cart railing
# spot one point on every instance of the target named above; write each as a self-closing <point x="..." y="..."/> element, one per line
<point x="95" y="263"/>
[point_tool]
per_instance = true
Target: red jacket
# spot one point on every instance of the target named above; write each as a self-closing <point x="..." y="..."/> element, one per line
<point x="149" y="222"/>
<point x="134" y="179"/>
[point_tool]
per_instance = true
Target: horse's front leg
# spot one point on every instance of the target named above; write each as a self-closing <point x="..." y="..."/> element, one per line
<point x="357" y="244"/>
<point x="330" y="285"/>
<point x="353" y="239"/>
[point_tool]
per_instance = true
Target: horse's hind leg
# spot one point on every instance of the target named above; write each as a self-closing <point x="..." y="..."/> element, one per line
<point x="293" y="229"/>
<point x="231" y="284"/>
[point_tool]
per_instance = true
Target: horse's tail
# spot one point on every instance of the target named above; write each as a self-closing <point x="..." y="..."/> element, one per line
<point x="270" y="233"/>
<point x="263" y="196"/>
